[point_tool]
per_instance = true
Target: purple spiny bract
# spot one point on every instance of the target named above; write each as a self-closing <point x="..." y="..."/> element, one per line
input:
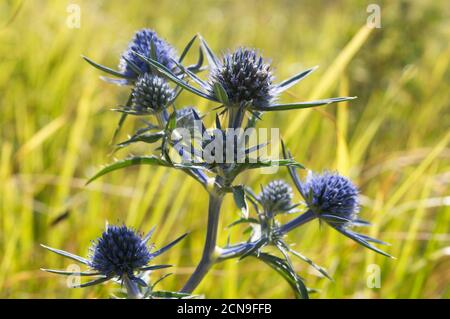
<point x="119" y="251"/>
<point x="141" y="43"/>
<point x="331" y="194"/>
<point x="246" y="78"/>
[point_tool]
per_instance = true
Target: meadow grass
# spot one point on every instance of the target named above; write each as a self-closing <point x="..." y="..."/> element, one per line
<point x="56" y="127"/>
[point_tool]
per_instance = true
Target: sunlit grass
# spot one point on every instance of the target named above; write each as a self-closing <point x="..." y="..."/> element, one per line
<point x="393" y="140"/>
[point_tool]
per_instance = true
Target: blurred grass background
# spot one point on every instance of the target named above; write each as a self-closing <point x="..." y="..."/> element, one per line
<point x="393" y="141"/>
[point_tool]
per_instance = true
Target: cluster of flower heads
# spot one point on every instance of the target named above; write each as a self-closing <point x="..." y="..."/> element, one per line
<point x="241" y="82"/>
<point x="240" y="79"/>
<point x="151" y="93"/>
<point x="329" y="197"/>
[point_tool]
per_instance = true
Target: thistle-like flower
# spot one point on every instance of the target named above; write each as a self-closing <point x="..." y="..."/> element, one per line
<point x="276" y="197"/>
<point x="245" y="77"/>
<point x="143" y="42"/>
<point x="333" y="199"/>
<point x="151" y="94"/>
<point x="119" y="253"/>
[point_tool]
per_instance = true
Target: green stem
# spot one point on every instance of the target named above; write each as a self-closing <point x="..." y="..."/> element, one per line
<point x="209" y="256"/>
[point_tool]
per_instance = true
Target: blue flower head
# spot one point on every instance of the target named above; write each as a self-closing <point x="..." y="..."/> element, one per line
<point x="151" y="94"/>
<point x="142" y="43"/>
<point x="276" y="197"/>
<point x="246" y="78"/>
<point x="119" y="251"/>
<point x="332" y="197"/>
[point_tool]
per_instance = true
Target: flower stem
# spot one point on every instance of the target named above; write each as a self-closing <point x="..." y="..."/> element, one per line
<point x="132" y="288"/>
<point x="208" y="257"/>
<point x="296" y="222"/>
<point x="234" y="251"/>
<point x="235" y="116"/>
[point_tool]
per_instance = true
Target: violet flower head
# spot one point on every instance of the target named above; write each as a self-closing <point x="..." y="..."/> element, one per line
<point x="246" y="78"/>
<point x="142" y="44"/>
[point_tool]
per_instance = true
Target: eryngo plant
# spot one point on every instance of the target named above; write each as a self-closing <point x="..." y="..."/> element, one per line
<point x="242" y="86"/>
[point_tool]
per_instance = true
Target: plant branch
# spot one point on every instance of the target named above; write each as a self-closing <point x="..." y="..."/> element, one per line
<point x="209" y="256"/>
<point x="133" y="291"/>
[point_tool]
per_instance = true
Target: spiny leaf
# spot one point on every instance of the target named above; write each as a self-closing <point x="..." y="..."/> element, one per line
<point x="141" y="160"/>
<point x="356" y="237"/>
<point x="155" y="267"/>
<point x="140" y="282"/>
<point x="286" y="84"/>
<point x="147" y="138"/>
<point x="171" y="122"/>
<point x="373" y="240"/>
<point x="149" y="235"/>
<point x="71" y="273"/>
<point x="174" y="78"/>
<point x="218" y="124"/>
<point x="220" y="93"/>
<point x="67" y="254"/>
<point x="160" y="279"/>
<point x="194" y="77"/>
<point x="255" y="148"/>
<point x="187" y="48"/>
<point x="92" y="283"/>
<point x="168" y="246"/>
<point x="268" y="163"/>
<point x="282" y="267"/>
<point x="292" y="171"/>
<point x="198" y="66"/>
<point x="122" y="119"/>
<point x="309" y="262"/>
<point x="105" y="69"/>
<point x="302" y="105"/>
<point x="335" y="219"/>
<point x="360" y="222"/>
<point x="212" y="58"/>
<point x="133" y="66"/>
<point x="243" y="221"/>
<point x="239" y="199"/>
